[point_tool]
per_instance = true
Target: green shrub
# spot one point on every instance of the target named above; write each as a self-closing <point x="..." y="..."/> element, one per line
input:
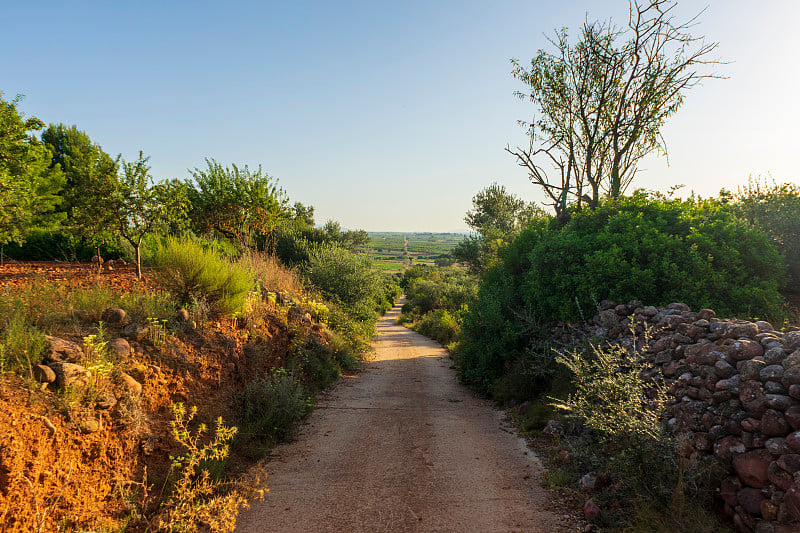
<point x="343" y="275"/>
<point x="272" y="406"/>
<point x="775" y="209"/>
<point x="625" y="439"/>
<point x="440" y="326"/>
<point x="656" y="251"/>
<point x="191" y="271"/>
<point x="642" y="247"/>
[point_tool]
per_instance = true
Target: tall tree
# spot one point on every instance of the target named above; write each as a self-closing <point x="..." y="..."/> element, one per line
<point x="236" y="202"/>
<point x="86" y="168"/>
<point x="601" y="103"/>
<point x="28" y="183"/>
<point x="140" y="206"/>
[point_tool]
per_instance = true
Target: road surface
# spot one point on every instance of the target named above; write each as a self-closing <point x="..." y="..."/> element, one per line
<point x="403" y="447"/>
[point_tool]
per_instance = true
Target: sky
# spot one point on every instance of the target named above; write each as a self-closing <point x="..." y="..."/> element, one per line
<point x="385" y="116"/>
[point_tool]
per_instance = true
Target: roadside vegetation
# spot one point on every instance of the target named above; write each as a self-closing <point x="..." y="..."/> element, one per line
<point x="136" y="394"/>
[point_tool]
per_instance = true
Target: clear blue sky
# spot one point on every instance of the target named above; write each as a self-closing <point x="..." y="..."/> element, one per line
<point x="383" y="115"/>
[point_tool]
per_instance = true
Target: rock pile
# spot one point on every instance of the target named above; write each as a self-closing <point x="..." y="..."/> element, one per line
<point x="735" y="389"/>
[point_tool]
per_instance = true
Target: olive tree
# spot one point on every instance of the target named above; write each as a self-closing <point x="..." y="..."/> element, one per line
<point x="601" y="102"/>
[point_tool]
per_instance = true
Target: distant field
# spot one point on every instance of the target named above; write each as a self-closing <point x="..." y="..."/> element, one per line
<point x="393" y="251"/>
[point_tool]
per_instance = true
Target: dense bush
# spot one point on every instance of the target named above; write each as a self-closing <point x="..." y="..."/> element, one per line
<point x="775" y="209"/>
<point x="641" y="247"/>
<point x="43" y="244"/>
<point x="193" y="272"/>
<point x="342" y="275"/>
<point x="272" y="405"/>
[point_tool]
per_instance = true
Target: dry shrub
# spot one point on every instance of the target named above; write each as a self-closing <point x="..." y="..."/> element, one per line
<point x="272" y="274"/>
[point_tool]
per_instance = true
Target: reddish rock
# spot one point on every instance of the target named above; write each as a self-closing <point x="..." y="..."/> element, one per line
<point x="790" y="462"/>
<point x="749" y="392"/>
<point x="769" y="511"/>
<point x="119" y="348"/>
<point x="752" y="467"/>
<point x="728" y="489"/>
<point x="793" y="440"/>
<point x="114" y="316"/>
<point x="779" y="477"/>
<point x="791" y="501"/>
<point x="62" y="350"/>
<point x="706" y="314"/>
<point x="750" y="499"/>
<point x="773" y="424"/>
<point x="68" y="374"/>
<point x="591" y="511"/>
<point x="744" y="349"/>
<point x="43" y="374"/>
<point x="794" y="391"/>
<point x="728" y="447"/>
<point x="793" y="416"/>
<point x="752" y="425"/>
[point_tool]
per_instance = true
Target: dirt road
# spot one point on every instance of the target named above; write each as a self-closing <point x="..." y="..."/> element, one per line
<point x="403" y="447"/>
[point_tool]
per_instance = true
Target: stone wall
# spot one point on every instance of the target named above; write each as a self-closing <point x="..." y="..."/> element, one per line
<point x="735" y="389"/>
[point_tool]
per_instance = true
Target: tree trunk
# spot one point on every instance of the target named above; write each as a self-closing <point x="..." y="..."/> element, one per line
<point x="138" y="261"/>
<point x="1" y="254"/>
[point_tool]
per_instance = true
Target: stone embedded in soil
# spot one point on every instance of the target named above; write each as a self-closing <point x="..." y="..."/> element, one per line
<point x="129" y="384"/>
<point x="90" y="425"/>
<point x="114" y="316"/>
<point x="44" y="374"/>
<point x="107" y="400"/>
<point x="135" y="332"/>
<point x="591" y="511"/>
<point x="62" y="350"/>
<point x="119" y="348"/>
<point x="70" y="374"/>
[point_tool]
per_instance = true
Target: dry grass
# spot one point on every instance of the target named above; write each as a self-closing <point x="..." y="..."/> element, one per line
<point x="272" y="274"/>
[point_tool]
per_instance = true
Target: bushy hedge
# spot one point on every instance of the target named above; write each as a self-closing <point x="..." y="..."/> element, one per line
<point x="643" y="247"/>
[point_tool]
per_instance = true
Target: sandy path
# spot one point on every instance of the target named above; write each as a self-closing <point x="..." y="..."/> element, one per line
<point x="402" y="446"/>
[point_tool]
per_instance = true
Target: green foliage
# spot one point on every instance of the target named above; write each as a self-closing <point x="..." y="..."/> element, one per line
<point x="195" y="499"/>
<point x="497" y="216"/>
<point x="190" y="271"/>
<point x="601" y="102"/>
<point x="774" y="209"/>
<point x="237" y="202"/>
<point x="44" y="244"/>
<point x="86" y="167"/>
<point x="440" y="325"/>
<point x="21" y="345"/>
<point x="640" y="247"/>
<point x="624" y="438"/>
<point x="342" y="275"/>
<point x="28" y="183"/>
<point x="654" y="250"/>
<point x="272" y="406"/>
<point x="141" y="206"/>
